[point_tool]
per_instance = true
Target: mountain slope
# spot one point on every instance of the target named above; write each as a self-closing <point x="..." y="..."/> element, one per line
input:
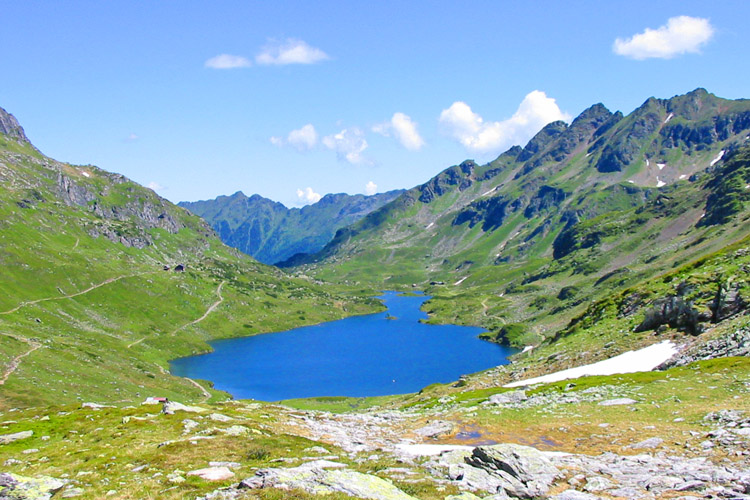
<point x="270" y="232"/>
<point x="504" y="237"/>
<point x="87" y="308"/>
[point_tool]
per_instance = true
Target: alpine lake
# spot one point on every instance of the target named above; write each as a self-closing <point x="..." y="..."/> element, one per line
<point x="373" y="355"/>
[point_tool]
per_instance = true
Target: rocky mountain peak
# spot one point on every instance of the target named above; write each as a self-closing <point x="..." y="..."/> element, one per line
<point x="9" y="126"/>
<point x="594" y="116"/>
<point x="542" y="139"/>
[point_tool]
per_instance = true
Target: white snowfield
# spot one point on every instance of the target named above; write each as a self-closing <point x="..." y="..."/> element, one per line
<point x="718" y="157"/>
<point x="642" y="360"/>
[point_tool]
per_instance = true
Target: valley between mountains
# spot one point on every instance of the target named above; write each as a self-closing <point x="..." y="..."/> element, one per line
<point x="609" y="235"/>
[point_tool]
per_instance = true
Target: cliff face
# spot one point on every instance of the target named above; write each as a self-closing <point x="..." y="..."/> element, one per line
<point x="10" y="127"/>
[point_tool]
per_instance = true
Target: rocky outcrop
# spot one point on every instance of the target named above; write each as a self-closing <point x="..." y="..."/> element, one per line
<point x="514" y="471"/>
<point x="672" y="311"/>
<point x="10" y="127"/>
<point x="547" y="198"/>
<point x="16" y="487"/>
<point x="320" y="477"/>
<point x="460" y="175"/>
<point x="733" y="343"/>
<point x="522" y="471"/>
<point x="16" y="436"/>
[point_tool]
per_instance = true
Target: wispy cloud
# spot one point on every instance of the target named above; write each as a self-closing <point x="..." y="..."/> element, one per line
<point x="680" y="35"/>
<point x="403" y="129"/>
<point x="478" y="136"/>
<point x="371" y="188"/>
<point x="349" y="144"/>
<point x="308" y="196"/>
<point x="302" y="139"/>
<point x="227" y="61"/>
<point x="131" y="138"/>
<point x="154" y="186"/>
<point x="290" y="51"/>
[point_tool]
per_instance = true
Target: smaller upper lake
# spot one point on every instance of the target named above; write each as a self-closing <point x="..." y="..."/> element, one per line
<point x="358" y="356"/>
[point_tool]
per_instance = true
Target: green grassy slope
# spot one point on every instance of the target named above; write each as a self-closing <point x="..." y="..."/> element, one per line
<point x="86" y="309"/>
<point x="581" y="211"/>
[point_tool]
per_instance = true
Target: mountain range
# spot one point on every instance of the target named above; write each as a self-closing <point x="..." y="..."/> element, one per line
<point x="271" y="232"/>
<point x="531" y="237"/>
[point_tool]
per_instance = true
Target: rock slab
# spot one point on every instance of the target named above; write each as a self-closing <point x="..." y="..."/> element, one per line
<point x="15" y="487"/>
<point x="320" y="481"/>
<point x="522" y="471"/>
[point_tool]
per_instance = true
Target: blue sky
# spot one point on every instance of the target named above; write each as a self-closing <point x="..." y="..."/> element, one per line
<point x="292" y="100"/>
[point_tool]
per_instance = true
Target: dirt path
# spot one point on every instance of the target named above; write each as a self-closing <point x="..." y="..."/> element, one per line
<point x="484" y="307"/>
<point x="206" y="394"/>
<point x="15" y="362"/>
<point x="63" y="297"/>
<point x="136" y="342"/>
<point x="208" y="311"/>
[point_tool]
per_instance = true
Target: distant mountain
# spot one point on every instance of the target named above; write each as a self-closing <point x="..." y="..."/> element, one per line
<point x="603" y="202"/>
<point x="270" y="232"/>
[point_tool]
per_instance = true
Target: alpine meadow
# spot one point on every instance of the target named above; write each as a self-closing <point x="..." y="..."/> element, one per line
<point x="401" y="202"/>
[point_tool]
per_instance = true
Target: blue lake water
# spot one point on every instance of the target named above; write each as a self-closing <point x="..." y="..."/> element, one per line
<point x="358" y="356"/>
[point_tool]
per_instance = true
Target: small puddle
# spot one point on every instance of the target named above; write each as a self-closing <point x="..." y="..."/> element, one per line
<point x="473" y="435"/>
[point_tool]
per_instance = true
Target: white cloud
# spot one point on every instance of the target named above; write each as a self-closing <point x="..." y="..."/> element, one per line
<point x="680" y="35"/>
<point x="477" y="136"/>
<point x="131" y="138"/>
<point x="349" y="144"/>
<point x="302" y="139"/>
<point x="308" y="196"/>
<point x="371" y="188"/>
<point x="404" y="129"/>
<point x="154" y="186"/>
<point x="290" y="51"/>
<point x="227" y="61"/>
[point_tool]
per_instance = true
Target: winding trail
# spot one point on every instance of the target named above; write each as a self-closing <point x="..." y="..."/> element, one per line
<point x="63" y="297"/>
<point x="206" y="394"/>
<point x="15" y="362"/>
<point x="205" y="314"/>
<point x="136" y="342"/>
<point x="484" y="307"/>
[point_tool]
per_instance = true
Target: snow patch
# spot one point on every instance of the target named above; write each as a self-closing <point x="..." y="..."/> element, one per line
<point x="86" y="174"/>
<point x="647" y="162"/>
<point x="632" y="182"/>
<point x="683" y="176"/>
<point x="718" y="157"/>
<point x="527" y="348"/>
<point x="661" y="165"/>
<point x="747" y="187"/>
<point x="660" y="183"/>
<point x="490" y="191"/>
<point x="430" y="225"/>
<point x="460" y="281"/>
<point x="642" y="360"/>
<point x="588" y="154"/>
<point x="669" y="117"/>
